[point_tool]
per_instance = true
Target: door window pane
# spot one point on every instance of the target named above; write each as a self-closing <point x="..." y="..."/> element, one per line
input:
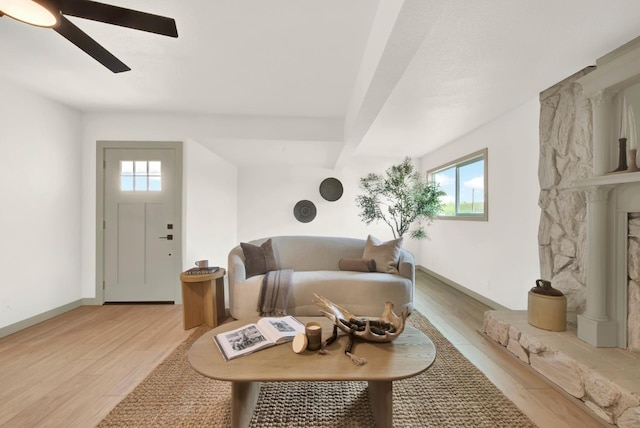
<point x="126" y="168"/>
<point x="155" y="184"/>
<point x="155" y="168"/>
<point x="126" y="183"/>
<point x="141" y="168"/>
<point x="140" y="184"/>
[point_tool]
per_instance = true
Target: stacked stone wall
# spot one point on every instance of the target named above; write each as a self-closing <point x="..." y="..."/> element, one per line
<point x="566" y="135"/>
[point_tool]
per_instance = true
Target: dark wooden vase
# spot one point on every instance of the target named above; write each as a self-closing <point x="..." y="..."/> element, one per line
<point x="622" y="158"/>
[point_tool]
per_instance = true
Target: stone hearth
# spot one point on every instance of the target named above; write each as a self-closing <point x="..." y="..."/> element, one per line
<point x="606" y="380"/>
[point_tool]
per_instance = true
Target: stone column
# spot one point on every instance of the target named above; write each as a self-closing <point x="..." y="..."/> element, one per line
<point x="594" y="325"/>
<point x="633" y="287"/>
<point x="601" y="105"/>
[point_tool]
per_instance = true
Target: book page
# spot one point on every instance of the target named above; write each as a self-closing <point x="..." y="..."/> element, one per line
<point x="242" y="341"/>
<point x="280" y="329"/>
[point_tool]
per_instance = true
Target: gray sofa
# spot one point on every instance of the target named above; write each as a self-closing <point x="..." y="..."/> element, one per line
<point x="315" y="261"/>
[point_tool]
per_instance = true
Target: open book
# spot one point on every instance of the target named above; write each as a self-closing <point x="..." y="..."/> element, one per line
<point x="269" y="331"/>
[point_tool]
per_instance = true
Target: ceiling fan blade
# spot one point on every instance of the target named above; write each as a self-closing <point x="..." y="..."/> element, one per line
<point x="90" y="46"/>
<point x="119" y="16"/>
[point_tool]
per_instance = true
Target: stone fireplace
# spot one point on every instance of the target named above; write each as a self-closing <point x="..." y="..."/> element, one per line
<point x="587" y="211"/>
<point x="611" y="200"/>
<point x="589" y="243"/>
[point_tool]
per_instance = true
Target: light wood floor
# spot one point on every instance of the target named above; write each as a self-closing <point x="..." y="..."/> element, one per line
<point x="71" y="370"/>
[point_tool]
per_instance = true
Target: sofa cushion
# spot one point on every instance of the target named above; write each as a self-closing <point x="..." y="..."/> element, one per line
<point x="385" y="254"/>
<point x="258" y="260"/>
<point x="311" y="253"/>
<point x="361" y="293"/>
<point x="358" y="265"/>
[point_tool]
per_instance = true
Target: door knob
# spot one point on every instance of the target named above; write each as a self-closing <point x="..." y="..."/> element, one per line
<point x="168" y="237"/>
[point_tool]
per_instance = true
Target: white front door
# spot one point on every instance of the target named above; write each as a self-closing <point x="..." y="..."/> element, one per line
<point x="139" y="225"/>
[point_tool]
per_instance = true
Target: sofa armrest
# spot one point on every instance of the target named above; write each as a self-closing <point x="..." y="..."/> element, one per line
<point x="236" y="268"/>
<point x="407" y="266"/>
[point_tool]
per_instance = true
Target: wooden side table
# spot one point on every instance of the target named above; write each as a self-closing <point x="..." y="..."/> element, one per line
<point x="202" y="298"/>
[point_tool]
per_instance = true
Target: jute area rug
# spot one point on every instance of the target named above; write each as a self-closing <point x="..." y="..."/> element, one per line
<point x="451" y="393"/>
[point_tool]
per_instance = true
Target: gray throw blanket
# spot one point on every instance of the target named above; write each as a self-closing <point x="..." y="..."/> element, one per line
<point x="274" y="294"/>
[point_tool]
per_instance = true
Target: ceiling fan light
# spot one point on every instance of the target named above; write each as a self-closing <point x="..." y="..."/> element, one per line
<point x="29" y="12"/>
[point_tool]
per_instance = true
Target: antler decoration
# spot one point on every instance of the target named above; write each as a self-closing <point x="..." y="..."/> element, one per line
<point x="384" y="329"/>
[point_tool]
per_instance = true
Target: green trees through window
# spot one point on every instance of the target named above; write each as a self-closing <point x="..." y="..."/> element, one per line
<point x="465" y="183"/>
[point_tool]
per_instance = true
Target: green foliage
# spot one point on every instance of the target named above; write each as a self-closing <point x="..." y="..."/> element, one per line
<point x="400" y="198"/>
<point x="465" y="208"/>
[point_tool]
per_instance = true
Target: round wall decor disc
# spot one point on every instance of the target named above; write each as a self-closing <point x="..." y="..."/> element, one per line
<point x="304" y="211"/>
<point x="331" y="189"/>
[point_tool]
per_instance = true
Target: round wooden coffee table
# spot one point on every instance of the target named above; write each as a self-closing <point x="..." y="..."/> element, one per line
<point x="410" y="354"/>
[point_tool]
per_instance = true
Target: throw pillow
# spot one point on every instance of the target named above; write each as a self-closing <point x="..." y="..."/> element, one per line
<point x="358" y="265"/>
<point x="258" y="260"/>
<point x="385" y="254"/>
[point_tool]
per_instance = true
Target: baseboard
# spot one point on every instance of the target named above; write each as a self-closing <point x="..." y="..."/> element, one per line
<point x="21" y="325"/>
<point x="91" y="301"/>
<point x="462" y="289"/>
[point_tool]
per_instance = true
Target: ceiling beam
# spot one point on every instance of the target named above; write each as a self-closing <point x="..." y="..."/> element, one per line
<point x="384" y="63"/>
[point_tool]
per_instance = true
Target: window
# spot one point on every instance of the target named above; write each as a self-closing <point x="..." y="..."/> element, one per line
<point x="465" y="183"/>
<point x="140" y="176"/>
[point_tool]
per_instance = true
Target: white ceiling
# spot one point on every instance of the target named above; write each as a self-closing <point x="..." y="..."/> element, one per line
<point x="356" y="77"/>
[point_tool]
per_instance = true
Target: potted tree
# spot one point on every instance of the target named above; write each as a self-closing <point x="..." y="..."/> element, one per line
<point x="400" y="198"/>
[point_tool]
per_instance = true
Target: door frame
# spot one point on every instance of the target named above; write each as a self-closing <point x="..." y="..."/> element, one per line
<point x="101" y="147"/>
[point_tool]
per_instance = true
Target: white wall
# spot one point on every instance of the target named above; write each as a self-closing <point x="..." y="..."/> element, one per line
<point x="209" y="187"/>
<point x="497" y="259"/>
<point x="210" y="208"/>
<point x="40" y="185"/>
<point x="267" y="195"/>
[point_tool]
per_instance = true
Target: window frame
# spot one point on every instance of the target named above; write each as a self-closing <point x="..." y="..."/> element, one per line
<point x="457" y="164"/>
<point x="147" y="173"/>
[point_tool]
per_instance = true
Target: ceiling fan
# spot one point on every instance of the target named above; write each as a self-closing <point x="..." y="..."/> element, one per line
<point x="51" y="13"/>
